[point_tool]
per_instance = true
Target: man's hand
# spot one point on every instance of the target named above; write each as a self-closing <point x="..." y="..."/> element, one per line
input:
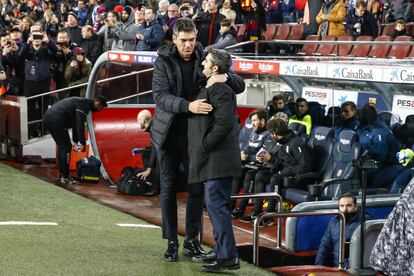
<point x="263" y="157"/>
<point x="243" y="156"/>
<point x="2" y="75"/>
<point x="216" y="78"/>
<point x="140" y="37"/>
<point x="74" y="64"/>
<point x="78" y="148"/>
<point x="144" y="175"/>
<point x="199" y="107"/>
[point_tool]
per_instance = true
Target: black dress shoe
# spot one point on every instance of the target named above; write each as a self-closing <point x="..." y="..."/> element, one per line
<point x="207" y="258"/>
<point x="220" y="265"/>
<point x="193" y="248"/>
<point x="171" y="254"/>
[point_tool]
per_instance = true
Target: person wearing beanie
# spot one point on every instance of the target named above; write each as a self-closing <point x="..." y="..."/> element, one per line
<point x="124" y="32"/>
<point x="73" y="28"/>
<point x="77" y="71"/>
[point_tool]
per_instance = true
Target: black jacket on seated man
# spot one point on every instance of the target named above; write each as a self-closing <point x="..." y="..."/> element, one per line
<point x="368" y="24"/>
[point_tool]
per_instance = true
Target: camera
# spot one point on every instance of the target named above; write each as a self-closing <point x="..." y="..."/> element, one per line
<point x="37" y="37"/>
<point x="8" y="43"/>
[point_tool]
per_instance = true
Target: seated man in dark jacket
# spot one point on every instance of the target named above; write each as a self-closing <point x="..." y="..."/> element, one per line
<point x="63" y="115"/>
<point x="348" y="119"/>
<point x="359" y="21"/>
<point x="328" y="251"/>
<point x="214" y="159"/>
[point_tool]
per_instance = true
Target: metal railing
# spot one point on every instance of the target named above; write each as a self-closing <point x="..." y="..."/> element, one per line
<point x="57" y="91"/>
<point x="300" y="214"/>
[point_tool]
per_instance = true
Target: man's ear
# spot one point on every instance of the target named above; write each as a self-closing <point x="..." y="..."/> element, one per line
<point x="174" y="38"/>
<point x="215" y="69"/>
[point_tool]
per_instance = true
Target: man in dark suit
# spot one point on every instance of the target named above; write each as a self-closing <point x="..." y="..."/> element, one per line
<point x="176" y="78"/>
<point x="214" y="158"/>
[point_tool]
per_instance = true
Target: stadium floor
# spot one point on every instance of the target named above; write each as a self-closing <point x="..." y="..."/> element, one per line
<point x="86" y="239"/>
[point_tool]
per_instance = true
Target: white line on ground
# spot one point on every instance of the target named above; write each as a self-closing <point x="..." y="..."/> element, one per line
<point x="27" y="223"/>
<point x="138" y="225"/>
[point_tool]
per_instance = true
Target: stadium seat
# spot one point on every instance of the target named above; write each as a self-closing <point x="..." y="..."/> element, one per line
<point x="410" y="28"/>
<point x="339" y="175"/>
<point x="388" y="30"/>
<point x="326" y="49"/>
<point x="271" y="30"/>
<point x="282" y="32"/>
<point x="296" y="32"/>
<point x="361" y="50"/>
<point x="389" y="118"/>
<point x="309" y="49"/>
<point x="380" y="51"/>
<point x="343" y="50"/>
<point x="371" y="232"/>
<point x="299" y="129"/>
<point x="400" y="51"/>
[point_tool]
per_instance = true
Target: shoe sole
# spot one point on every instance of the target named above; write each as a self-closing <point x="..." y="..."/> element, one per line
<point x="245" y="221"/>
<point x="221" y="269"/>
<point x="171" y="260"/>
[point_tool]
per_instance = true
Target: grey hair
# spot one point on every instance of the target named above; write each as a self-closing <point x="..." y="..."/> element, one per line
<point x="185" y="25"/>
<point x="163" y="2"/>
<point x="221" y="59"/>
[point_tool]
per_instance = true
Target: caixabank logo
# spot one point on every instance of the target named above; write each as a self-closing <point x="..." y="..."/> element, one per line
<point x="302" y="70"/>
<point x="353" y="73"/>
<point x="401" y="75"/>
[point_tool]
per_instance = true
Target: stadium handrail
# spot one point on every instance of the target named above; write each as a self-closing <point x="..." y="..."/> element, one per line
<point x="257" y="221"/>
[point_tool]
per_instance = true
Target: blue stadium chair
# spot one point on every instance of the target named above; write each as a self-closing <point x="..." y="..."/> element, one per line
<point x="339" y="176"/>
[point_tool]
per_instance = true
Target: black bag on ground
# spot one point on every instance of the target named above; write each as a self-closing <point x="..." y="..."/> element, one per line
<point x="88" y="169"/>
<point x="130" y="184"/>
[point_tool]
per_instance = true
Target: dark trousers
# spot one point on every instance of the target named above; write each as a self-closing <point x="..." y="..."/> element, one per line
<point x="36" y="107"/>
<point x="217" y="193"/>
<point x="248" y="188"/>
<point x="61" y="137"/>
<point x="262" y="178"/>
<point x="169" y="163"/>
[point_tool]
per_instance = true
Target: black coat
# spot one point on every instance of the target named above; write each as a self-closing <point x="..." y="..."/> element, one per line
<point x="293" y="157"/>
<point x="368" y="22"/>
<point x="93" y="48"/>
<point x="203" y="23"/>
<point x="213" y="143"/>
<point x="167" y="87"/>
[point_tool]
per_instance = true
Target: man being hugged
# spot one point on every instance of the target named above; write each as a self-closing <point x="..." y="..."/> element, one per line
<point x="214" y="159"/>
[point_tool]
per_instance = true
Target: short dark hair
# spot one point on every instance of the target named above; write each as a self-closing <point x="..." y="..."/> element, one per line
<point x="225" y="22"/>
<point x="278" y="97"/>
<point x="360" y="4"/>
<point x="102" y="101"/>
<point x="185" y="25"/>
<point x="352" y="105"/>
<point x="221" y="59"/>
<point x="299" y="100"/>
<point x="348" y="195"/>
<point x="260" y="112"/>
<point x="278" y="127"/>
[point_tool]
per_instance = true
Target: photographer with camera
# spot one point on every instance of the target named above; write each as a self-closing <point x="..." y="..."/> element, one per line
<point x="37" y="56"/>
<point x="108" y="38"/>
<point x="10" y="45"/>
<point x="63" y="56"/>
<point x="359" y="21"/>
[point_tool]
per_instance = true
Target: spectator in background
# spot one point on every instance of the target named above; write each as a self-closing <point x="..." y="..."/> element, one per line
<point x="37" y="56"/>
<point x="302" y="115"/>
<point x="227" y="35"/>
<point x="63" y="56"/>
<point x="77" y="71"/>
<point x="162" y="13"/>
<point x="91" y="44"/>
<point x="375" y="8"/>
<point x="105" y="31"/>
<point x="63" y="13"/>
<point x="254" y="19"/>
<point x="277" y="104"/>
<point x="99" y="19"/>
<point x="173" y="16"/>
<point x="331" y="18"/>
<point x="186" y="10"/>
<point x="348" y="119"/>
<point x="150" y="33"/>
<point x="82" y="13"/>
<point x="359" y="21"/>
<point x="228" y="12"/>
<point x="5" y="7"/>
<point x="75" y="32"/>
<point x="299" y="9"/>
<point x="208" y="24"/>
<point x="288" y="10"/>
<point x="399" y="29"/>
<point x="139" y="16"/>
<point x="312" y="9"/>
<point x="25" y="25"/>
<point x="124" y="32"/>
<point x="273" y="10"/>
<point x="14" y="69"/>
<point x="51" y="24"/>
<point x="328" y="252"/>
